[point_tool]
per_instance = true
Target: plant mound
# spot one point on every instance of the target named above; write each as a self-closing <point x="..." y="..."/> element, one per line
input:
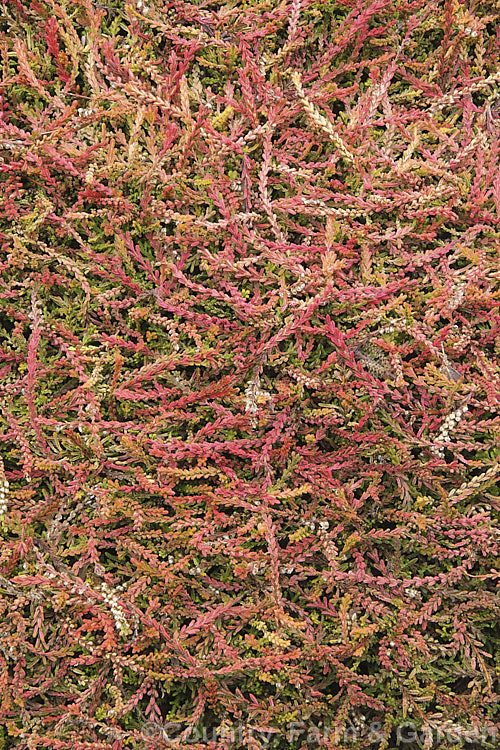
<point x="249" y="374"/>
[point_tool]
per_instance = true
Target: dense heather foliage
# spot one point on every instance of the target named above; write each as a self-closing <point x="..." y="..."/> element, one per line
<point x="249" y="374"/>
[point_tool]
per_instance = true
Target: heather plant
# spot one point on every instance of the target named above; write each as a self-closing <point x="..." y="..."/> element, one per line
<point x="249" y="374"/>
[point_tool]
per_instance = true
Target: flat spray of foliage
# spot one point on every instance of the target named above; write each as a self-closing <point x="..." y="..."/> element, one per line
<point x="249" y="369"/>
